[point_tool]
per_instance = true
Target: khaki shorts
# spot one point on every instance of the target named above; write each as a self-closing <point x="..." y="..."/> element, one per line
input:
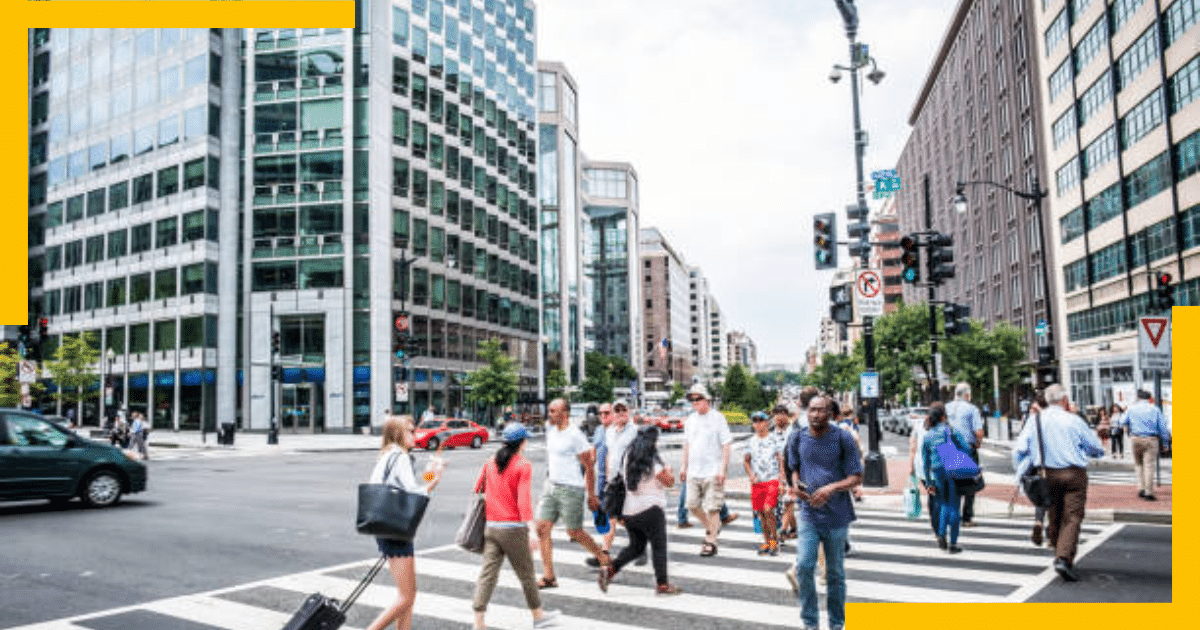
<point x="704" y="494"/>
<point x="562" y="501"/>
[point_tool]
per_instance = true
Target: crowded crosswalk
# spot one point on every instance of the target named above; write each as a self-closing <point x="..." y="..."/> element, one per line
<point x="894" y="559"/>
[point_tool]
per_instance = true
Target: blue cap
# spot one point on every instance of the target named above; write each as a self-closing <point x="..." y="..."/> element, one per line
<point x="600" y="520"/>
<point x="758" y="415"/>
<point x="515" y="432"/>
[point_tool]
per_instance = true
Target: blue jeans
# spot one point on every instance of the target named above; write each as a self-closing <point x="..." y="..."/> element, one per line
<point x="946" y="500"/>
<point x="808" y="538"/>
<point x="683" y="511"/>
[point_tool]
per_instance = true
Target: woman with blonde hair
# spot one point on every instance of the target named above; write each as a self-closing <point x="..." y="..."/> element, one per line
<point x="395" y="468"/>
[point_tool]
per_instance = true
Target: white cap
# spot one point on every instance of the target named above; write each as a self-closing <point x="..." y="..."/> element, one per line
<point x="698" y="390"/>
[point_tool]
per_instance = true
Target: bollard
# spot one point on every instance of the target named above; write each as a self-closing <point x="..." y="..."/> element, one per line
<point x="227" y="433"/>
<point x="273" y="433"/>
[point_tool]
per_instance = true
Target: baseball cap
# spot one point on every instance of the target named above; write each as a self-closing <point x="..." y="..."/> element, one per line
<point x="758" y="416"/>
<point x="620" y="402"/>
<point x="515" y="432"/>
<point x="779" y="409"/>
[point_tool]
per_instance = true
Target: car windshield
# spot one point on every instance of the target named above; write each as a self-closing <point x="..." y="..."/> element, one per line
<point x="430" y="424"/>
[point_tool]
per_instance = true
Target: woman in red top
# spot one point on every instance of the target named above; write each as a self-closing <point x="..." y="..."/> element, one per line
<point x="505" y="481"/>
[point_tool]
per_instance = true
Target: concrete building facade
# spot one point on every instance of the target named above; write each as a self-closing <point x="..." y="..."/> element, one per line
<point x="667" y="336"/>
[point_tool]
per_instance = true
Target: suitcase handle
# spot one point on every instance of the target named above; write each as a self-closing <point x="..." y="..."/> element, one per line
<point x="362" y="585"/>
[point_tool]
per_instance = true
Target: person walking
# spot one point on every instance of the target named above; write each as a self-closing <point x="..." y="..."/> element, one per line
<point x="646" y="480"/>
<point x="137" y="434"/>
<point x="764" y="466"/>
<point x="1116" y="431"/>
<point x="964" y="418"/>
<point x="916" y="468"/>
<point x="394" y="467"/>
<point x="799" y="423"/>
<point x="569" y="479"/>
<point x="1103" y="427"/>
<point x="619" y="434"/>
<point x="786" y="517"/>
<point x="1148" y="428"/>
<point x="119" y="435"/>
<point x="505" y="482"/>
<point x="706" y="448"/>
<point x="938" y="432"/>
<point x="1039" y="512"/>
<point x="826" y="466"/>
<point x="1068" y="442"/>
<point x="429" y="414"/>
<point x="600" y="448"/>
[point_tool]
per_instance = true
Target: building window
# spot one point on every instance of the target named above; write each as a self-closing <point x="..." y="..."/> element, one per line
<point x="1108" y="262"/>
<point x="139" y="288"/>
<point x="116" y="292"/>
<point x="1142" y="119"/>
<point x="1121" y="11"/>
<point x="1064" y="127"/>
<point x="1185" y="85"/>
<point x="1187" y="156"/>
<point x="1075" y="275"/>
<point x="1179" y="17"/>
<point x="1090" y="44"/>
<point x="117" y="243"/>
<point x="1098" y="94"/>
<point x="1060" y="79"/>
<point x="1104" y="206"/>
<point x="1100" y="151"/>
<point x="1067" y="177"/>
<point x="166" y="232"/>
<point x="1137" y="57"/>
<point x="166" y="283"/>
<point x="1148" y="180"/>
<point x="1071" y="225"/>
<point x="1057" y="31"/>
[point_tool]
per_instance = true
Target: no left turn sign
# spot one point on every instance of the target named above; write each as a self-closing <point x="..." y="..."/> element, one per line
<point x="868" y="292"/>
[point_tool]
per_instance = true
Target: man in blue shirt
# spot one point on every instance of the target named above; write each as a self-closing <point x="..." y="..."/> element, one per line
<point x="964" y="418"/>
<point x="823" y="462"/>
<point x="1148" y="429"/>
<point x="1069" y="441"/>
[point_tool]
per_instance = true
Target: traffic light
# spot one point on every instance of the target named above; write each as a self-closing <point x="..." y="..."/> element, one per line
<point x="413" y="346"/>
<point x="398" y="343"/>
<point x="276" y="372"/>
<point x="955" y="319"/>
<point x="275" y="343"/>
<point x="840" y="309"/>
<point x="857" y="228"/>
<point x="911" y="259"/>
<point x="938" y="264"/>
<point x="1164" y="295"/>
<point x="43" y="328"/>
<point x="825" y="240"/>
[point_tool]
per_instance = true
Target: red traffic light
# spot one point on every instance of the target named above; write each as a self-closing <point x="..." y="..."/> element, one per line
<point x="1164" y="279"/>
<point x="908" y="243"/>
<point x="43" y="322"/>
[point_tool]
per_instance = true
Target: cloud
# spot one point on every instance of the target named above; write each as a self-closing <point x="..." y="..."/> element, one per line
<point x="725" y="109"/>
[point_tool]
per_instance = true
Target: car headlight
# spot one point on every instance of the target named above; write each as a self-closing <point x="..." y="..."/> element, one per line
<point x="129" y="455"/>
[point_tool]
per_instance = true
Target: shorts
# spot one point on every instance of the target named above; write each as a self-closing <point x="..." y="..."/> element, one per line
<point x="764" y="495"/>
<point x="704" y="494"/>
<point x="562" y="501"/>
<point x="395" y="548"/>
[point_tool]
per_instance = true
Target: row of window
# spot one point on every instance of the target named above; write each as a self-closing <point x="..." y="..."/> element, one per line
<point x="194" y="332"/>
<point x="198" y="225"/>
<point x="1146" y="181"/>
<point x="1147" y="246"/>
<point x="140" y="189"/>
<point x="441" y="293"/>
<point x="1123" y="315"/>
<point x="161" y="284"/>
<point x="437" y="243"/>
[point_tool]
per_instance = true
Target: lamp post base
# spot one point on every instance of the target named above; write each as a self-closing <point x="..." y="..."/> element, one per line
<point x="875" y="470"/>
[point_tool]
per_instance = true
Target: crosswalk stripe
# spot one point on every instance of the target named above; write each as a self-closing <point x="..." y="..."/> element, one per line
<point x="220" y="612"/>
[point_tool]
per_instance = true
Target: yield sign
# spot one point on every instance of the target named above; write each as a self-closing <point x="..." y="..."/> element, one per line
<point x="1155" y="326"/>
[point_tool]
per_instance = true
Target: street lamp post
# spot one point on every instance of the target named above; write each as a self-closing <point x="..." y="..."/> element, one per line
<point x="875" y="467"/>
<point x="1036" y="195"/>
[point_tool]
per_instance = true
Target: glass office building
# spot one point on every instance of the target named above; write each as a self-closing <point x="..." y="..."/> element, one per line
<point x="310" y="183"/>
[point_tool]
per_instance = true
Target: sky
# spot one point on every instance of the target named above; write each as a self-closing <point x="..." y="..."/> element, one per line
<point x="726" y="111"/>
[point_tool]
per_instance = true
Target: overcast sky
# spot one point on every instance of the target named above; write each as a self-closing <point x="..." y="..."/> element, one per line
<point x="725" y="109"/>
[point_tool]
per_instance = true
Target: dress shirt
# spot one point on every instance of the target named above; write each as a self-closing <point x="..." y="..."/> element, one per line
<point x="1069" y="441"/>
<point x="1145" y="420"/>
<point x="964" y="418"/>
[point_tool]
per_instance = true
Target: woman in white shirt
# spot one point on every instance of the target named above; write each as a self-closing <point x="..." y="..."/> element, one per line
<point x="646" y="481"/>
<point x="395" y="468"/>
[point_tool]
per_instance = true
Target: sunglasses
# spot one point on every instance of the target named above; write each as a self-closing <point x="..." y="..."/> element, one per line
<point x="695" y="398"/>
<point x="606" y="413"/>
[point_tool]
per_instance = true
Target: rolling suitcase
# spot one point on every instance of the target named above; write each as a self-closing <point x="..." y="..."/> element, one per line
<point x="319" y="612"/>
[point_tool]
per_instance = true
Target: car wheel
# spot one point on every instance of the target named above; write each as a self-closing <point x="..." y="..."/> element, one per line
<point x="432" y="444"/>
<point x="476" y="442"/>
<point x="102" y="489"/>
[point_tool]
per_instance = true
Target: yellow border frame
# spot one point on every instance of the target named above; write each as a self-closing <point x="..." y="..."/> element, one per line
<point x="14" y="147"/>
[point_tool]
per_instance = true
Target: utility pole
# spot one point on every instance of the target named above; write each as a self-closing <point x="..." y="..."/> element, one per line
<point x="933" y="336"/>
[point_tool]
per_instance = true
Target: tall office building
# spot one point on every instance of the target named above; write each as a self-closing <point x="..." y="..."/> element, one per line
<point x="1120" y="84"/>
<point x="700" y="314"/>
<point x="562" y="222"/>
<point x="977" y="119"/>
<point x="611" y="255"/>
<point x="742" y="351"/>
<point x="667" y="337"/>
<point x="717" y="341"/>
<point x="143" y="128"/>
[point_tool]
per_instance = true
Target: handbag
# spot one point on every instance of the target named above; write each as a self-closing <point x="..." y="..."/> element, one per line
<point x="614" y="493"/>
<point x="470" y="533"/>
<point x="386" y="511"/>
<point x="958" y="464"/>
<point x="912" y="498"/>
<point x="973" y="485"/>
<point x="1033" y="482"/>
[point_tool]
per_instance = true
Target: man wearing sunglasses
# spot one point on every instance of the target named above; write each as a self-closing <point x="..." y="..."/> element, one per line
<point x="706" y="447"/>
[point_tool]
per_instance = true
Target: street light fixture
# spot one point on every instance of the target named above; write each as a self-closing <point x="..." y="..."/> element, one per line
<point x="835" y="74"/>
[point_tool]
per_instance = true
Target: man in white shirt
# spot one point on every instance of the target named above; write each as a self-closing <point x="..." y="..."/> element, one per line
<point x="706" y="447"/>
<point x="617" y="437"/>
<point x="569" y="476"/>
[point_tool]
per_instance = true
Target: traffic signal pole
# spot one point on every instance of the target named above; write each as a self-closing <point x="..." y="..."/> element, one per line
<point x="933" y="336"/>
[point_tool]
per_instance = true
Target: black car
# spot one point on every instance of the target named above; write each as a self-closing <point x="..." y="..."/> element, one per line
<point x="40" y="459"/>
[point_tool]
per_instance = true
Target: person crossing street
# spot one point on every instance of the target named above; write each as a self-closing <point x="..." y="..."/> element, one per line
<point x="1148" y="429"/>
<point x="965" y="419"/>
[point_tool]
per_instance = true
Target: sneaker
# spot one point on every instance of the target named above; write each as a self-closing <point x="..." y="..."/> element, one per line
<point x="1036" y="536"/>
<point x="667" y="589"/>
<point x="594" y="562"/>
<point x="1141" y="494"/>
<point x="942" y="542"/>
<point x="774" y="550"/>
<point x="849" y="551"/>
<point x="549" y="619"/>
<point x="764" y="549"/>
<point x="1151" y="497"/>
<point x="1065" y="570"/>
<point x="733" y="516"/>
<point x="955" y="549"/>
<point x="791" y="578"/>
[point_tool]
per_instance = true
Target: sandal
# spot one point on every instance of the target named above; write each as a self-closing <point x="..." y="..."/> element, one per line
<point x="708" y="549"/>
<point x="546" y="582"/>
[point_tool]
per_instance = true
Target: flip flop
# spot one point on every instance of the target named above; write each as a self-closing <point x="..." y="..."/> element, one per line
<point x="708" y="549"/>
<point x="547" y="583"/>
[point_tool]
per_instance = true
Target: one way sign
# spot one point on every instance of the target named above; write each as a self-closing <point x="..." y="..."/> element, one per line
<point x="1154" y="343"/>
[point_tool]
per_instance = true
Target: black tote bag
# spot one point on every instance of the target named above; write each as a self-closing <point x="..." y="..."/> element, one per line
<point x="389" y="512"/>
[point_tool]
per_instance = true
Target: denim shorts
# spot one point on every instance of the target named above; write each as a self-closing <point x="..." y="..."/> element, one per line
<point x="395" y="548"/>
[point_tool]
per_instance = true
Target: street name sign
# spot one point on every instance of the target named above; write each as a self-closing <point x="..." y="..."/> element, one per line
<point x="1154" y="343"/>
<point x="868" y="292"/>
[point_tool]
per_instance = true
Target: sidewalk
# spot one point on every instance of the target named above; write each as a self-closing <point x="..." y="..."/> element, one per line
<point x="1106" y="503"/>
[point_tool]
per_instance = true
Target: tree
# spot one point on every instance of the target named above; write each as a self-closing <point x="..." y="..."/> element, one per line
<point x="677" y="392"/>
<point x="10" y="385"/>
<point x="494" y="384"/>
<point x="602" y="373"/>
<point x="836" y="373"/>
<point x="901" y="342"/>
<point x="556" y="384"/>
<point x="737" y="385"/>
<point x="970" y="358"/>
<point x="73" y="370"/>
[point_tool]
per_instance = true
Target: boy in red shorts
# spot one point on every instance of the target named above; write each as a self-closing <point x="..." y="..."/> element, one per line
<point x="764" y="466"/>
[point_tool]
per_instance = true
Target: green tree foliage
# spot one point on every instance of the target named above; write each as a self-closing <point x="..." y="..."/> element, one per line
<point x="970" y="358"/>
<point x="10" y="385"/>
<point x="901" y="343"/>
<point x="556" y="384"/>
<point x="836" y="373"/>
<point x="778" y="378"/>
<point x="677" y="392"/>
<point x="494" y="384"/>
<point x="602" y="373"/>
<point x="736" y="387"/>
<point x="73" y="368"/>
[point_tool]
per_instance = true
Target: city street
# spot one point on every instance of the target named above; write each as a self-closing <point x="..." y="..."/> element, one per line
<point x="231" y="540"/>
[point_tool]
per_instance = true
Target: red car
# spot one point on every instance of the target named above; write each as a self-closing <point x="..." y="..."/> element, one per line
<point x="449" y="432"/>
<point x="671" y="421"/>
